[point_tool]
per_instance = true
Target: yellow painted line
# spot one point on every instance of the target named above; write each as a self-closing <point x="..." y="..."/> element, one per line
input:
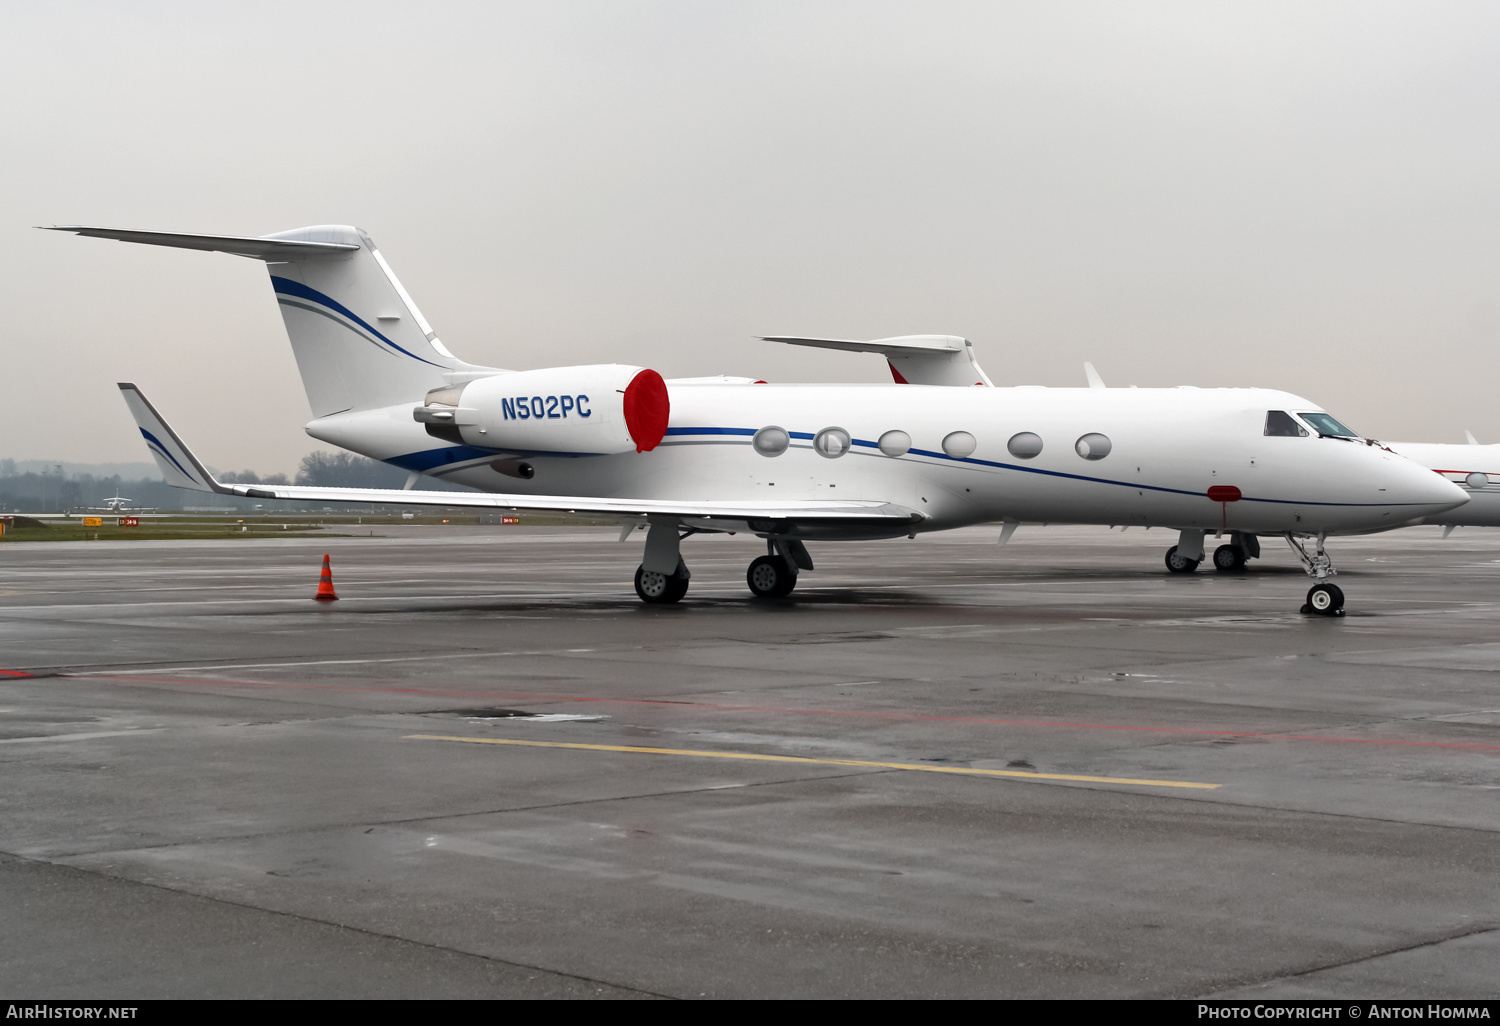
<point x="821" y="762"/>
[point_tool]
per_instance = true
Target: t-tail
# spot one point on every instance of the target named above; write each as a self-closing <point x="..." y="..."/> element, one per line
<point x="360" y="341"/>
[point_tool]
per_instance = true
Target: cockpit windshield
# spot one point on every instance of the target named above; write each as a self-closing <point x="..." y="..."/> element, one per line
<point x="1281" y="424"/>
<point x="1323" y="424"/>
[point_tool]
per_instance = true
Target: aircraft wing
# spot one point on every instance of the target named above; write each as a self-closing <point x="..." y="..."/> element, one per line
<point x="182" y="469"/>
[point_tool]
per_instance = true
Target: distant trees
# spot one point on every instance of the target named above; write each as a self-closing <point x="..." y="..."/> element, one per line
<point x="65" y="490"/>
<point x="347" y="470"/>
<point x="251" y="477"/>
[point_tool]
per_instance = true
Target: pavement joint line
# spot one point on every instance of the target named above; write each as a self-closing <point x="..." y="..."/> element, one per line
<point x="754" y="756"/>
<point x="56" y="857"/>
<point x="1472" y="931"/>
<point x="854" y="713"/>
<point x="343" y="926"/>
<point x="317" y="662"/>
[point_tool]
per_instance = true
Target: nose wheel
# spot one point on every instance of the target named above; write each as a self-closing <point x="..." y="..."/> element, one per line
<point x="1325" y="600"/>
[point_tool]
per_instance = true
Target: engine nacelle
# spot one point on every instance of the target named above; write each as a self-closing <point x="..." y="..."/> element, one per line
<point x="605" y="408"/>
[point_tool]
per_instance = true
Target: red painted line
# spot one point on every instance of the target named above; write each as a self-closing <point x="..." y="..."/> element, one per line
<point x="780" y="709"/>
<point x="14" y="673"/>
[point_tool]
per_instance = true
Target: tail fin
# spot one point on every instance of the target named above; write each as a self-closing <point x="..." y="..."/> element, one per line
<point x="359" y="340"/>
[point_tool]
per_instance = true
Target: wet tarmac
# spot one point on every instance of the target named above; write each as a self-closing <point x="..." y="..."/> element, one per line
<point x="940" y="769"/>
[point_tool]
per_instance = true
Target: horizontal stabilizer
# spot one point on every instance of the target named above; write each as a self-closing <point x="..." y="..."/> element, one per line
<point x="913" y="359"/>
<point x="259" y="249"/>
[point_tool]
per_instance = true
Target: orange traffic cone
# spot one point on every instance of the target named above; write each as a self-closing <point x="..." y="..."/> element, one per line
<point x="325" y="584"/>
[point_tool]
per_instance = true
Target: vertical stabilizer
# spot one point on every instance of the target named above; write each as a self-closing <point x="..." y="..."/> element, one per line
<point x="359" y="340"/>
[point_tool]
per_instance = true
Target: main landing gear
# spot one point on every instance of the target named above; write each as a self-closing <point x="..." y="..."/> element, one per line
<point x="771" y="576"/>
<point x="1184" y="557"/>
<point x="774" y="575"/>
<point x="657" y="588"/>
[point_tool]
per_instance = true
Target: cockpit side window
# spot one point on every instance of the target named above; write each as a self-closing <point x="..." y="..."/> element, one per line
<point x="1280" y="424"/>
<point x="1323" y="424"/>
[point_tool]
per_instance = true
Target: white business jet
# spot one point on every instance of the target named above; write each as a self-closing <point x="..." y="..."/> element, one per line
<point x="788" y="463"/>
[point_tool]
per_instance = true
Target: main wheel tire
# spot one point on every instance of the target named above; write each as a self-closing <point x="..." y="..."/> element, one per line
<point x="1179" y="565"/>
<point x="768" y="577"/>
<point x="1325" y="599"/>
<point x="660" y="589"/>
<point x="1229" y="559"/>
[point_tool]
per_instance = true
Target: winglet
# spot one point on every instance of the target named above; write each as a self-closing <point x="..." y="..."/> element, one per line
<point x="179" y="467"/>
<point x="1470" y="436"/>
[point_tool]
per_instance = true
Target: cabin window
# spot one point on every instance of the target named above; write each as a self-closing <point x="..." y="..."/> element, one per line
<point x="1323" y="424"/>
<point x="1026" y="445"/>
<point x="1093" y="446"/>
<point x="771" y="440"/>
<point x="959" y="444"/>
<point x="831" y="442"/>
<point x="1279" y="424"/>
<point x="895" y="443"/>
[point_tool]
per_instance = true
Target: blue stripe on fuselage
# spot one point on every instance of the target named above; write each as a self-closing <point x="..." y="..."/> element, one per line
<point x="1037" y="470"/>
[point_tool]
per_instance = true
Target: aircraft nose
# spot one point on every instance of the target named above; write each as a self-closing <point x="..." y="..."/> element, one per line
<point x="1426" y="488"/>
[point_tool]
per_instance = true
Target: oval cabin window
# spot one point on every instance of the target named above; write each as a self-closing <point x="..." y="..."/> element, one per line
<point x="771" y="440"/>
<point x="1025" y="446"/>
<point x="1093" y="446"/>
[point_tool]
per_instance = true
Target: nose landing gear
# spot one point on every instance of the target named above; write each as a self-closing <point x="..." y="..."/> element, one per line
<point x="1323" y="598"/>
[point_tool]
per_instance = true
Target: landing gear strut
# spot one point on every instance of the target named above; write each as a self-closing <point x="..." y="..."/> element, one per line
<point x="656" y="580"/>
<point x="1323" y="598"/>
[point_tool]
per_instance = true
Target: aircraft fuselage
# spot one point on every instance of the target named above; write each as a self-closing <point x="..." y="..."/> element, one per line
<point x="1166" y="450"/>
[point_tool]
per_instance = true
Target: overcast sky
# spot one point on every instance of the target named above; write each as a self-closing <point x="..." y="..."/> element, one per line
<point x="1302" y="196"/>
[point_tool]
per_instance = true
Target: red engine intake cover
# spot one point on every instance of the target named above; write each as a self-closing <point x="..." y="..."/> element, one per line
<point x="647" y="410"/>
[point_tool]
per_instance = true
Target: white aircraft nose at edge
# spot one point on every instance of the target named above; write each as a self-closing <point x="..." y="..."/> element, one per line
<point x="1474" y="467"/>
<point x="788" y="463"/>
